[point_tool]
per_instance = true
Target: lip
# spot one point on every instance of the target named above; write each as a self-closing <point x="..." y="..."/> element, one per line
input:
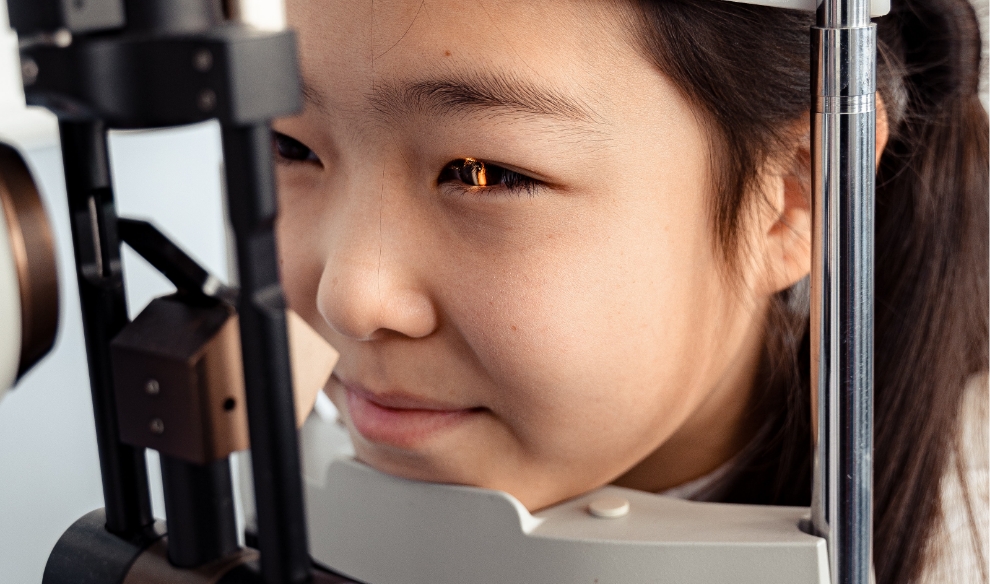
<point x="399" y="419"/>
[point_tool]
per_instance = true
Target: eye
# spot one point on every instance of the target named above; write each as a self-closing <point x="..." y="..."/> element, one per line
<point x="479" y="175"/>
<point x="291" y="150"/>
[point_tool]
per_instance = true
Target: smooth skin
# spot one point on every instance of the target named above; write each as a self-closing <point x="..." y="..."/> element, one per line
<point x="542" y="335"/>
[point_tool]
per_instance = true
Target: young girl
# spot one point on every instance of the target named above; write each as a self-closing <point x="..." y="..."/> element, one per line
<point x="566" y="243"/>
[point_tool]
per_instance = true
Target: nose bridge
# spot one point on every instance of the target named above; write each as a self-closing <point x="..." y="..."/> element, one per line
<point x="357" y="223"/>
<point x="369" y="284"/>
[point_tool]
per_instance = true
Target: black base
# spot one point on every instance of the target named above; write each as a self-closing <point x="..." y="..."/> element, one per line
<point x="250" y="573"/>
<point x="89" y="554"/>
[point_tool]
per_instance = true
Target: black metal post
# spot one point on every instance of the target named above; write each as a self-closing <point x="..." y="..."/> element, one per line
<point x="104" y="314"/>
<point x="267" y="375"/>
<point x="199" y="503"/>
<point x="172" y="16"/>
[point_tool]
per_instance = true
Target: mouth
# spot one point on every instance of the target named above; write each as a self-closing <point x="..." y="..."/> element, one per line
<point x="399" y="419"/>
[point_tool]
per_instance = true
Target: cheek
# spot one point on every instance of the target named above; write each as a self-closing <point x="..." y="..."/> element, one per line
<point x="301" y="256"/>
<point x="589" y="336"/>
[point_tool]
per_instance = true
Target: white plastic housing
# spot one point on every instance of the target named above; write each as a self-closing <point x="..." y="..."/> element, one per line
<point x="877" y="8"/>
<point x="261" y="14"/>
<point x="10" y="310"/>
<point x="26" y="127"/>
<point x="11" y="91"/>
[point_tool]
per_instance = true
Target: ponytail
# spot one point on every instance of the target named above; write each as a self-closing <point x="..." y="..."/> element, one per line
<point x="931" y="268"/>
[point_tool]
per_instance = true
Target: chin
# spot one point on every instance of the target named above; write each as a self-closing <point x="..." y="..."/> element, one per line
<point x="535" y="491"/>
<point x="417" y="466"/>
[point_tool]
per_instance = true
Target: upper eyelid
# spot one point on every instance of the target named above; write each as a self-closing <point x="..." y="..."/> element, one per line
<point x="277" y="134"/>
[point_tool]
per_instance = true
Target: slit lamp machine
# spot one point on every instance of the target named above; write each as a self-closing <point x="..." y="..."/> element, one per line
<point x="209" y="370"/>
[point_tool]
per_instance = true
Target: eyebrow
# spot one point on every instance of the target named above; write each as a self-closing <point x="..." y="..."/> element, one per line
<point x="467" y="94"/>
<point x="312" y="96"/>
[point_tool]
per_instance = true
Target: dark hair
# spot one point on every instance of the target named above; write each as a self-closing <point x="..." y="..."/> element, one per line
<point x="747" y="70"/>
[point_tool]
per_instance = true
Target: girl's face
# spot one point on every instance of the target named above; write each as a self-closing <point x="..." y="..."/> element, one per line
<point x="498" y="213"/>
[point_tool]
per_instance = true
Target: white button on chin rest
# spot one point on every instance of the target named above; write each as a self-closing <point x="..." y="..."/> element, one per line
<point x="609" y="507"/>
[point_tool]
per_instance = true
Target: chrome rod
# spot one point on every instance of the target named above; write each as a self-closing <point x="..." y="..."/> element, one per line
<point x="843" y="145"/>
<point x="844" y="13"/>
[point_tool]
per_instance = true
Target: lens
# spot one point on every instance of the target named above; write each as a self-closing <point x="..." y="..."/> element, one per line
<point x="33" y="250"/>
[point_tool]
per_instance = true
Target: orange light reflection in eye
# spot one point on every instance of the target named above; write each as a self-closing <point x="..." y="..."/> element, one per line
<point x="478" y="173"/>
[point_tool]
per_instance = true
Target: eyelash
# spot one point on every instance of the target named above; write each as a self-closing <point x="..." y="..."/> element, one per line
<point x="480" y="176"/>
<point x="476" y="175"/>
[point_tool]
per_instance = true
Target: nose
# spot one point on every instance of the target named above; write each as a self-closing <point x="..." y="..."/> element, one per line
<point x="371" y="287"/>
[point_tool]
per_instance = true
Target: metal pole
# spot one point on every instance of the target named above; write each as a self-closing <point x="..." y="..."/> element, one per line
<point x="276" y="468"/>
<point x="199" y="503"/>
<point x="104" y="314"/>
<point x="843" y="144"/>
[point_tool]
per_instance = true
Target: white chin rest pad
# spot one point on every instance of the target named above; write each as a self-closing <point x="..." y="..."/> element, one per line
<point x="877" y="8"/>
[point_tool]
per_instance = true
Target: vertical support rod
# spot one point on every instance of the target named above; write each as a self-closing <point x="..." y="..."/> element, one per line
<point x="843" y="143"/>
<point x="104" y="313"/>
<point x="252" y="204"/>
<point x="199" y="503"/>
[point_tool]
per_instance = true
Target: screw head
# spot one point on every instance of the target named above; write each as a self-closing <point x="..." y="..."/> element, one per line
<point x="207" y="100"/>
<point x="29" y="71"/>
<point x="203" y="60"/>
<point x="152" y="387"/>
<point x="157" y="426"/>
<point x="62" y="38"/>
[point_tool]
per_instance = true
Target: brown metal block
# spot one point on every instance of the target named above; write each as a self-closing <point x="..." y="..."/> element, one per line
<point x="179" y="381"/>
<point x="226" y="406"/>
<point x="179" y="378"/>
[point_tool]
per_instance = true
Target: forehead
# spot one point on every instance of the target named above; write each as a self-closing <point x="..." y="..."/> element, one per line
<point x="352" y="50"/>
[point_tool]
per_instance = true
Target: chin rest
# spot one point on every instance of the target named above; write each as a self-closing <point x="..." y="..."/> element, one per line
<point x="380" y="529"/>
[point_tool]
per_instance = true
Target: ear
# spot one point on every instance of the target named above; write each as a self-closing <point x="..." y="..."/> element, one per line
<point x="784" y="218"/>
<point x="787" y="218"/>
